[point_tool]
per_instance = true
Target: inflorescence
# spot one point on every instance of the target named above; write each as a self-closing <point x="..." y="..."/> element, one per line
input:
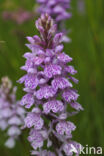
<point x="49" y="92"/>
<point x="11" y="112"/>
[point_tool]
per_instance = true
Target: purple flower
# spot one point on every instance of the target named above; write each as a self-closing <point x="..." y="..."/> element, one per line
<point x="71" y="148"/>
<point x="49" y="91"/>
<point x="70" y="95"/>
<point x="61" y="83"/>
<point x="27" y="100"/>
<point x="54" y="106"/>
<point x="52" y="70"/>
<point x="34" y="119"/>
<point x="37" y="138"/>
<point x="64" y="127"/>
<point x="58" y="10"/>
<point x="11" y="112"/>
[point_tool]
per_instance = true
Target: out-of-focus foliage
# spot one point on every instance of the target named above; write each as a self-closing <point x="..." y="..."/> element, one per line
<point x="87" y="48"/>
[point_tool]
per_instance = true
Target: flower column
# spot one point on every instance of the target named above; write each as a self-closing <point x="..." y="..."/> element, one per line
<point x="49" y="92"/>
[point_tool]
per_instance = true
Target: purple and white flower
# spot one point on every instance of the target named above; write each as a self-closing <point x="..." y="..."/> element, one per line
<point x="49" y="91"/>
<point x="11" y="112"/>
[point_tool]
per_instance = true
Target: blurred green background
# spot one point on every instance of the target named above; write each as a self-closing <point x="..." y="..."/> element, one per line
<point x="87" y="49"/>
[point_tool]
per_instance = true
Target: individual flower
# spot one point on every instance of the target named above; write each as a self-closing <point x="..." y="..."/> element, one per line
<point x="11" y="112"/>
<point x="58" y="10"/>
<point x="49" y="92"/>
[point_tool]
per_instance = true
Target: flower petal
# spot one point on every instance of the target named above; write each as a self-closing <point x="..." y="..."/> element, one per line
<point x="27" y="100"/>
<point x="54" y="105"/>
<point x="52" y="70"/>
<point x="64" y="58"/>
<point x="61" y="83"/>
